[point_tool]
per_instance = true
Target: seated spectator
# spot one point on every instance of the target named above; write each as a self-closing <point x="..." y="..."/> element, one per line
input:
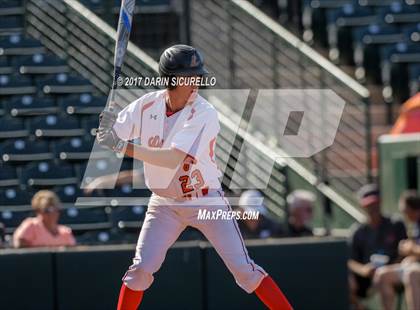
<point x="372" y="244"/>
<point x="300" y="205"/>
<point x="407" y="273"/>
<point x="43" y="230"/>
<point x="260" y="228"/>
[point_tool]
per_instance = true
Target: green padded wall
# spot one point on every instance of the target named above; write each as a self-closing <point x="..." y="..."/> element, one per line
<point x="311" y="271"/>
<point x="312" y="274"/>
<point x="26" y="280"/>
<point x="393" y="153"/>
<point x="94" y="277"/>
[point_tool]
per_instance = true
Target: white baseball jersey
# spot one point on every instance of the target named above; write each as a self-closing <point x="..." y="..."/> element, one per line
<point x="192" y="130"/>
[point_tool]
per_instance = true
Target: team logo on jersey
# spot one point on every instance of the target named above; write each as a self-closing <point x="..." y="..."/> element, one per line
<point x="153" y="116"/>
<point x="155" y="141"/>
<point x="194" y="62"/>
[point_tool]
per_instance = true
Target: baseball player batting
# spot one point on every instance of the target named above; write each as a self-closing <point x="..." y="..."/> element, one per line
<point x="178" y="129"/>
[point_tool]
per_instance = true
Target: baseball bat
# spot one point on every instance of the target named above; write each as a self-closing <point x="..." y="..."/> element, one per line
<point x="121" y="43"/>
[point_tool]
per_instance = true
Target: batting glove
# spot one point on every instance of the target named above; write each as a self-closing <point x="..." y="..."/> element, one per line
<point x="108" y="138"/>
<point x="107" y="119"/>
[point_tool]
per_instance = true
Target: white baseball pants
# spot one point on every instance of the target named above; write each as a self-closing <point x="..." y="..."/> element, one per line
<point x="164" y="223"/>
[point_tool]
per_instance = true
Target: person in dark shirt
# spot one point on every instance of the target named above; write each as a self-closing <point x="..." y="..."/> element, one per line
<point x="300" y="204"/>
<point x="372" y="244"/>
<point x="261" y="228"/>
<point x="406" y="273"/>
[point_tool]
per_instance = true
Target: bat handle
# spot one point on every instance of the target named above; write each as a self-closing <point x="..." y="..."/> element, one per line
<point x="115" y="84"/>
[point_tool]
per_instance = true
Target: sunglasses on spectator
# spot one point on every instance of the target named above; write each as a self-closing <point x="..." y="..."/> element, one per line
<point x="50" y="209"/>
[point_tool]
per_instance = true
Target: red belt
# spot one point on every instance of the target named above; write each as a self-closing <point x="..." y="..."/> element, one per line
<point x="200" y="193"/>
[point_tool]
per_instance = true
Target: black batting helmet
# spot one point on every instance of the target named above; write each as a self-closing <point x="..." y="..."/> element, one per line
<point x="181" y="60"/>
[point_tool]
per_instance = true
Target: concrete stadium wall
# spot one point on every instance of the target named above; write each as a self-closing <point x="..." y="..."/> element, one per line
<point x="311" y="272"/>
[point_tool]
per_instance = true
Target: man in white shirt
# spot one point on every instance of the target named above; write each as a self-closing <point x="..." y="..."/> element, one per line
<point x="178" y="129"/>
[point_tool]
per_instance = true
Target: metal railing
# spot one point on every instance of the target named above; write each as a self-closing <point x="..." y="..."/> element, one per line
<point x="244" y="48"/>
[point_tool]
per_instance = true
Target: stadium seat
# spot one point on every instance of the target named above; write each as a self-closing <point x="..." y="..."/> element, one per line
<point x="55" y="126"/>
<point x="47" y="173"/>
<point x="11" y="24"/>
<point x="68" y="193"/>
<point x="84" y="219"/>
<point x="340" y="23"/>
<point x="14" y="198"/>
<point x="24" y="150"/>
<point x="16" y="44"/>
<point x="82" y="104"/>
<point x="396" y="59"/>
<point x="40" y="64"/>
<point x="412" y="32"/>
<point x="190" y="233"/>
<point x="414" y="79"/>
<point x="399" y="13"/>
<point x="109" y="236"/>
<point x="125" y="194"/>
<point x="97" y="6"/>
<point x="128" y="218"/>
<point x="90" y="124"/>
<point x="5" y="67"/>
<point x="102" y="167"/>
<point x="12" y="219"/>
<point x="64" y="83"/>
<point x="16" y="85"/>
<point x="30" y="105"/>
<point x="76" y="148"/>
<point x="11" y="7"/>
<point x="375" y="3"/>
<point x="366" y="52"/>
<point x="314" y="19"/>
<point x="8" y="176"/>
<point x="399" y="51"/>
<point x="351" y="15"/>
<point x="126" y="190"/>
<point x="11" y="127"/>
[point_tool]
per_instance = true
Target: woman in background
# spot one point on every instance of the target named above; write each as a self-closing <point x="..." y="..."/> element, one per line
<point x="43" y="230"/>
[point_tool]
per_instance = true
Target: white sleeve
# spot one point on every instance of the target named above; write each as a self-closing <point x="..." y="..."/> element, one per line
<point x="127" y="125"/>
<point x="195" y="136"/>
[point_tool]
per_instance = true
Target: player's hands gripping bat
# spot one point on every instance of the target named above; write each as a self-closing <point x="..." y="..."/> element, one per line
<point x="107" y="136"/>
